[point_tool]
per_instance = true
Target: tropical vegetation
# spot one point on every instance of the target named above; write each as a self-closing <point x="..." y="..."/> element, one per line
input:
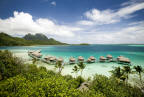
<point x="27" y="80"/>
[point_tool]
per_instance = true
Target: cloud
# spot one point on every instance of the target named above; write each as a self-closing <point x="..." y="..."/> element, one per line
<point x="108" y="16"/>
<point x="85" y="22"/>
<point x="53" y="3"/>
<point x="22" y="23"/>
<point x="95" y="30"/>
<point x="134" y="33"/>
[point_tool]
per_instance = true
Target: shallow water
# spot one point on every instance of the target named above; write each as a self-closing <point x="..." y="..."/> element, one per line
<point x="134" y="53"/>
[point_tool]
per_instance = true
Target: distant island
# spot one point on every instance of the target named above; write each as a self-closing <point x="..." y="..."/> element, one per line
<point x="27" y="40"/>
<point x="84" y="44"/>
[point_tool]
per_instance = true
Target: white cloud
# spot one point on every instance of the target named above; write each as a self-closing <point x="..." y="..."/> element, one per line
<point x="109" y="16"/>
<point x="84" y="22"/>
<point x="53" y="3"/>
<point x="93" y="32"/>
<point x="134" y="33"/>
<point x="23" y="23"/>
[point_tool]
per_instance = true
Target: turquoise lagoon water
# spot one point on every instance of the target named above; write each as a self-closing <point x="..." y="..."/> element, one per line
<point x="133" y="52"/>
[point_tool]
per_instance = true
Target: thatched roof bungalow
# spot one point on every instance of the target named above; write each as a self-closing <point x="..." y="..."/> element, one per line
<point x="52" y="59"/>
<point x="102" y="59"/>
<point x="60" y="59"/>
<point x="92" y="58"/>
<point x="109" y="57"/>
<point x="36" y="54"/>
<point x="124" y="60"/>
<point x="72" y="60"/>
<point x="80" y="58"/>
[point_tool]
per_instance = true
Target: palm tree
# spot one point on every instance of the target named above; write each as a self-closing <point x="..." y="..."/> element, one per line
<point x="75" y="69"/>
<point x="127" y="70"/>
<point x="117" y="73"/>
<point x="34" y="60"/>
<point x="59" y="65"/>
<point x="123" y="78"/>
<point x="139" y="70"/>
<point x="81" y="66"/>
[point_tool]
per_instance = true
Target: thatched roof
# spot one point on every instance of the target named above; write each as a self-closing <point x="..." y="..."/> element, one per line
<point x="80" y="58"/>
<point x="124" y="60"/>
<point x="31" y="51"/>
<point x="102" y="58"/>
<point x="89" y="59"/>
<point x="92" y="57"/>
<point x="37" y="54"/>
<point x="60" y="59"/>
<point x="71" y="59"/>
<point x="119" y="57"/>
<point x="52" y="58"/>
<point x="47" y="57"/>
<point x="38" y="51"/>
<point x="109" y="56"/>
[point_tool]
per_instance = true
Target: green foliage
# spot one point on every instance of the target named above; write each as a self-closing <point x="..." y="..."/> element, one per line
<point x="38" y="82"/>
<point x="139" y="70"/>
<point x="127" y="71"/>
<point x="34" y="60"/>
<point x="75" y="69"/>
<point x="38" y="39"/>
<point x="80" y="80"/>
<point x="28" y="80"/>
<point x="110" y="88"/>
<point x="59" y="65"/>
<point x="81" y="66"/>
<point x="117" y="72"/>
<point x="9" y="64"/>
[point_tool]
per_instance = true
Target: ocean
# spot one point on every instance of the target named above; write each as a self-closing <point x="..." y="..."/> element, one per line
<point x="134" y="52"/>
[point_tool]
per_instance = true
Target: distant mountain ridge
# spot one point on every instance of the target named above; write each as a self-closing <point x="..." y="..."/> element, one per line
<point x="29" y="39"/>
<point x="37" y="36"/>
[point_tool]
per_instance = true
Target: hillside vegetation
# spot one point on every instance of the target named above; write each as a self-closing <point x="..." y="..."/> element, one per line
<point x="37" y="39"/>
<point x="27" y="80"/>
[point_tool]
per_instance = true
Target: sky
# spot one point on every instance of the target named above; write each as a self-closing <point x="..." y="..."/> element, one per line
<point x="75" y="21"/>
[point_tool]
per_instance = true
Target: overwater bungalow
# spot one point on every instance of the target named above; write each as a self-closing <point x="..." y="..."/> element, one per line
<point x="123" y="60"/>
<point x="119" y="57"/>
<point x="88" y="60"/>
<point x="102" y="59"/>
<point x="72" y="60"/>
<point x="91" y="59"/>
<point x="38" y="51"/>
<point x="30" y="51"/>
<point x="36" y="54"/>
<point x="60" y="59"/>
<point x="109" y="57"/>
<point x="80" y="59"/>
<point x="52" y="59"/>
<point x="46" y="59"/>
